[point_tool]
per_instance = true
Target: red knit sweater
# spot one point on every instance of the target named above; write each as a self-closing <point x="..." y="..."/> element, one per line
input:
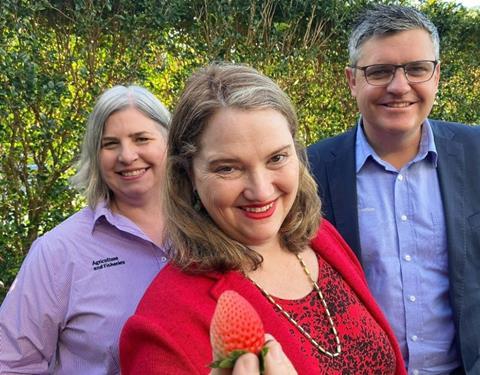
<point x="169" y="333"/>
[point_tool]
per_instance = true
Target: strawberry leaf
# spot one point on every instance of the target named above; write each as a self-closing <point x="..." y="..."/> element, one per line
<point x="229" y="361"/>
<point x="261" y="359"/>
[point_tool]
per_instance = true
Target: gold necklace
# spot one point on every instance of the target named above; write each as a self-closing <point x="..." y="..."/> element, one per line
<point x="321" y="349"/>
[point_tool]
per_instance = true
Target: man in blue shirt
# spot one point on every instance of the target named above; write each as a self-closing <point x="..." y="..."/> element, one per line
<point x="404" y="191"/>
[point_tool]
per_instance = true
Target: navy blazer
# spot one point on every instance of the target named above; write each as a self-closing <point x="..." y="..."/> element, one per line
<point x="332" y="162"/>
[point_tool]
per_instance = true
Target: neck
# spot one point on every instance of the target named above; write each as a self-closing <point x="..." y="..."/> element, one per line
<point x="282" y="275"/>
<point x="148" y="217"/>
<point x="396" y="149"/>
<point x="270" y="249"/>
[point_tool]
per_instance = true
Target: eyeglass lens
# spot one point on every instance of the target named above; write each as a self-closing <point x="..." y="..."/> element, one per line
<point x="415" y="72"/>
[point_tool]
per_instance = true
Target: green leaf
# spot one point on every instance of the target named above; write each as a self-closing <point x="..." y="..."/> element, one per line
<point x="229" y="361"/>
<point x="261" y="358"/>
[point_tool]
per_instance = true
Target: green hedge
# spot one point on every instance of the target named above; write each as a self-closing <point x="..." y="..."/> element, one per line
<point x="57" y="56"/>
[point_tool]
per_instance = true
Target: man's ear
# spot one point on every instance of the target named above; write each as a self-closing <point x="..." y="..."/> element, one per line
<point x="351" y="79"/>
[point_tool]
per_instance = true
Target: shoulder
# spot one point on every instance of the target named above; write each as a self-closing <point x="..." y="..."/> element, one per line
<point x="57" y="243"/>
<point x="51" y="259"/>
<point x="175" y="299"/>
<point x="44" y="281"/>
<point x="179" y="292"/>
<point x="455" y="130"/>
<point x="325" y="146"/>
<point x="329" y="244"/>
<point x="76" y="225"/>
<point x="327" y="237"/>
<point x="454" y="138"/>
<point x="172" y="318"/>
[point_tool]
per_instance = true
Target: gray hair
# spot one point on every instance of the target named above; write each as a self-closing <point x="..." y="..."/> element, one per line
<point x="384" y="20"/>
<point x="88" y="178"/>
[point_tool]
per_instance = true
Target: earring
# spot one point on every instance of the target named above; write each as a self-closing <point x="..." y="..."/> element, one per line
<point x="197" y="203"/>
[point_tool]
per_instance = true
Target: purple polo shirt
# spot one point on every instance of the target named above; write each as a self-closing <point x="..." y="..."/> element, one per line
<point x="75" y="289"/>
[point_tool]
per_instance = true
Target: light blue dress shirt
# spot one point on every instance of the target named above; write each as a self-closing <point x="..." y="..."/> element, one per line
<point x="404" y="252"/>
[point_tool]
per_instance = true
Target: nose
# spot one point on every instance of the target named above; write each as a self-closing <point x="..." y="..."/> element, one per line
<point x="259" y="186"/>
<point x="399" y="83"/>
<point x="128" y="154"/>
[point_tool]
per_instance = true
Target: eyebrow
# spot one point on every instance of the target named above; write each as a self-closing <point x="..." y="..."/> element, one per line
<point x="131" y="135"/>
<point x="228" y="160"/>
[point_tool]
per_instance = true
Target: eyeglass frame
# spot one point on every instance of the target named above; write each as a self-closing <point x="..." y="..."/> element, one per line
<point x="396" y="66"/>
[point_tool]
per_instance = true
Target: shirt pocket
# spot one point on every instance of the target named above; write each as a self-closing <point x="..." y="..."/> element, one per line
<point x="439" y="236"/>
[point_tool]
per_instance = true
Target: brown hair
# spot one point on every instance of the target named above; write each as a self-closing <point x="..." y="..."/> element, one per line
<point x="195" y="241"/>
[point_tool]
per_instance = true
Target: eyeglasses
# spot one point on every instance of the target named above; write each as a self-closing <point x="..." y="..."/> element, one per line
<point x="382" y="74"/>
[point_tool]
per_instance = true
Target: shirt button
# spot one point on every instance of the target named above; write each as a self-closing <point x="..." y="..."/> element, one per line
<point x="403" y="217"/>
<point x="416" y="372"/>
<point x="164" y="259"/>
<point x="407" y="257"/>
<point x="400" y="177"/>
<point x="412" y="298"/>
<point x="414" y="338"/>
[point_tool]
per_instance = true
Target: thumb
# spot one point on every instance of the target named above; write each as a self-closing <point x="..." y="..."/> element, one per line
<point x="276" y="361"/>
<point x="246" y="364"/>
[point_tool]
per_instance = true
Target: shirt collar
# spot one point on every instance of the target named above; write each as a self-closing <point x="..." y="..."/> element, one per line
<point x="101" y="210"/>
<point x="102" y="213"/>
<point x="363" y="150"/>
<point x="427" y="145"/>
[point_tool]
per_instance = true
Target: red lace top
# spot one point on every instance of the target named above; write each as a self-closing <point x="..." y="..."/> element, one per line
<point x="365" y="346"/>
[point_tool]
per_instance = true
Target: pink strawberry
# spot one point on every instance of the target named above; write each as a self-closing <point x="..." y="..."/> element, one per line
<point x="235" y="329"/>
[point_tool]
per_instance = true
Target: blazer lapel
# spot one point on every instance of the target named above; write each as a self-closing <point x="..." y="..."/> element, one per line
<point x="343" y="189"/>
<point x="451" y="174"/>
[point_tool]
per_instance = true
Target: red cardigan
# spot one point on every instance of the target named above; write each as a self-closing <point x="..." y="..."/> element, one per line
<point x="169" y="333"/>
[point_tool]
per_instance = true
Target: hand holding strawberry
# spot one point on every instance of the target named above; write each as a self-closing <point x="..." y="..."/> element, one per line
<point x="235" y="329"/>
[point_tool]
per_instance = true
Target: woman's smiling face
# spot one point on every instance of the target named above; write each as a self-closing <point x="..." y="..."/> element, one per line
<point x="132" y="156"/>
<point x="246" y="173"/>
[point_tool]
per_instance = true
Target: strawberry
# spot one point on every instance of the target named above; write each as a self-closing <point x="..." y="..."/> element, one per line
<point x="235" y="329"/>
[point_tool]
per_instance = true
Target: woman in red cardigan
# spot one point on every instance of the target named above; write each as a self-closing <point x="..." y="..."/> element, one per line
<point x="243" y="215"/>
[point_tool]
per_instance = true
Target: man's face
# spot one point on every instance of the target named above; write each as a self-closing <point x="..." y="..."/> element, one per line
<point x="399" y="108"/>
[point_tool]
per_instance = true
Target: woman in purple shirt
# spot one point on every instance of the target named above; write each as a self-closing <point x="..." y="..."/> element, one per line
<point x="80" y="281"/>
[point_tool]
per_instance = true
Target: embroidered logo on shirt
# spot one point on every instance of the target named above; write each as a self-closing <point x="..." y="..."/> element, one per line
<point x="106" y="263"/>
<point x="366" y="209"/>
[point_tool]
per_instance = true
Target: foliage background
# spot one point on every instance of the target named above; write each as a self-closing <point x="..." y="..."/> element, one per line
<point x="57" y="56"/>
